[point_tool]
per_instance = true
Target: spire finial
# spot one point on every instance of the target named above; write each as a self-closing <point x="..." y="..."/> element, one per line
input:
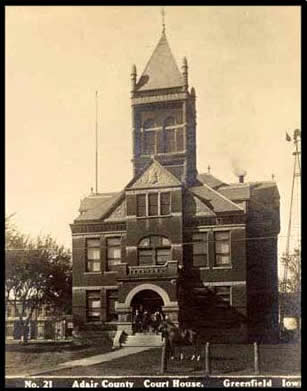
<point x="163" y="19"/>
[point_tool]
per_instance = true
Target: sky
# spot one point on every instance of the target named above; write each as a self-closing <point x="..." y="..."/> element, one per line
<point x="244" y="63"/>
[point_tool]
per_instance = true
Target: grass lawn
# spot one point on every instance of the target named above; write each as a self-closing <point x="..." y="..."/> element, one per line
<point x="226" y="359"/>
<point x="23" y="358"/>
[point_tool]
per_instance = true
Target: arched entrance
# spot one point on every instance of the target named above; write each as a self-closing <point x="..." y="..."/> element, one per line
<point x="147" y="300"/>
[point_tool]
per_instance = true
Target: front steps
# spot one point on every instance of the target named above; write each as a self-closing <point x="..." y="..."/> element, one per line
<point x="137" y="340"/>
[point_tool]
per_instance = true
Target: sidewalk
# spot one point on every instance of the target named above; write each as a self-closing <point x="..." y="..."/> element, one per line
<point x="35" y="341"/>
<point x="93" y="360"/>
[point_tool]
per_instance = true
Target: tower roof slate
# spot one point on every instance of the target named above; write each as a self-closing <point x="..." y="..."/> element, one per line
<point x="161" y="70"/>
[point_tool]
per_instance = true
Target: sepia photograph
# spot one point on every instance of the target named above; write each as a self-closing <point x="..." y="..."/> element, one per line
<point x="153" y="196"/>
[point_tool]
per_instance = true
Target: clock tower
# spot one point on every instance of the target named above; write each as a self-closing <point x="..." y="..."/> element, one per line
<point x="164" y="115"/>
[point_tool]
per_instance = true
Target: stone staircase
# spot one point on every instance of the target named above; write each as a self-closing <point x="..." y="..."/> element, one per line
<point x="140" y="339"/>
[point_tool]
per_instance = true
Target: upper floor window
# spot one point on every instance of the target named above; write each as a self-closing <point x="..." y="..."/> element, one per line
<point x="153" y="207"/>
<point x="173" y="136"/>
<point x="200" y="249"/>
<point x="93" y="255"/>
<point x="153" y="204"/>
<point x="93" y="305"/>
<point x="165" y="203"/>
<point x="154" y="250"/>
<point x="149" y="137"/>
<point x="222" y="248"/>
<point x="113" y="252"/>
<point x="165" y="138"/>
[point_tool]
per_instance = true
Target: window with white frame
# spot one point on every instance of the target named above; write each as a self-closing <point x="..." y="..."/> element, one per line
<point x="113" y="252"/>
<point x="200" y="249"/>
<point x="222" y="248"/>
<point x="93" y="304"/>
<point x="93" y="255"/>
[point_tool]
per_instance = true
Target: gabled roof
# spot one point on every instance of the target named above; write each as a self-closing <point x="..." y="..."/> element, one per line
<point x="98" y="206"/>
<point x="153" y="175"/>
<point x="196" y="206"/>
<point x="94" y="200"/>
<point x="216" y="201"/>
<point x="161" y="70"/>
<point x="236" y="192"/>
<point x="210" y="180"/>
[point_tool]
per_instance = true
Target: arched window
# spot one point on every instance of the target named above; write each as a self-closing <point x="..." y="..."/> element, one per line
<point x="170" y="121"/>
<point x="154" y="250"/>
<point x="170" y="134"/>
<point x="149" y="137"/>
<point x="149" y="124"/>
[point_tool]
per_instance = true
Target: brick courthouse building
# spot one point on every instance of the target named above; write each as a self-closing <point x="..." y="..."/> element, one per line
<point x="202" y="250"/>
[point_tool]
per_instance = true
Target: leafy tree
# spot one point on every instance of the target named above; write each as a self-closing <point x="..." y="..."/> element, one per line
<point x="290" y="289"/>
<point x="38" y="272"/>
<point x="293" y="264"/>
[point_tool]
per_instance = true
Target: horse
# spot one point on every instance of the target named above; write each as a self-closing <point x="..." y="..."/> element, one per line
<point x="177" y="336"/>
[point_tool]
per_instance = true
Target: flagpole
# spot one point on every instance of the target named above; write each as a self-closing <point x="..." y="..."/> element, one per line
<point x="96" y="171"/>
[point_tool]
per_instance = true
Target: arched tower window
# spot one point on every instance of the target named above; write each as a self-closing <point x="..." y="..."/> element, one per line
<point x="154" y="250"/>
<point x="149" y="137"/>
<point x="173" y="135"/>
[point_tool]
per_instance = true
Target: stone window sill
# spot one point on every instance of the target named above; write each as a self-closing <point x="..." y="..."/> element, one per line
<point x="222" y="267"/>
<point x="153" y="217"/>
<point x="201" y="267"/>
<point x="93" y="272"/>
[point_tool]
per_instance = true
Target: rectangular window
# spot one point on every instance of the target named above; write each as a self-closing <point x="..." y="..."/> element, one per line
<point x="179" y="139"/>
<point x="165" y="203"/>
<point x="112" y="297"/>
<point x="93" y="255"/>
<point x="141" y="205"/>
<point x="149" y="142"/>
<point x="163" y="255"/>
<point x="153" y="204"/>
<point x="93" y="306"/>
<point x="200" y="249"/>
<point x="170" y="144"/>
<point x="113" y="252"/>
<point x="145" y="257"/>
<point x="223" y="295"/>
<point x="222" y="248"/>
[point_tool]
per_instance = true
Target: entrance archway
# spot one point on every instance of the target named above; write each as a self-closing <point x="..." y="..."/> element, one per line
<point x="147" y="300"/>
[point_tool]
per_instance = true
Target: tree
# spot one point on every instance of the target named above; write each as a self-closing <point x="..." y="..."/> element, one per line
<point x="290" y="289"/>
<point x="293" y="263"/>
<point x="37" y="272"/>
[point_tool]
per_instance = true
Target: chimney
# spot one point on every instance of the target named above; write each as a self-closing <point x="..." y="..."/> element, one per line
<point x="241" y="178"/>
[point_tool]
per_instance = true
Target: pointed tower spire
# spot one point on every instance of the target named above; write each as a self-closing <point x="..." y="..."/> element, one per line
<point x="163" y="20"/>
<point x="161" y="70"/>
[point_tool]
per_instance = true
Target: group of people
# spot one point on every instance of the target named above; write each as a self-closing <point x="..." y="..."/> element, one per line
<point x="145" y="321"/>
